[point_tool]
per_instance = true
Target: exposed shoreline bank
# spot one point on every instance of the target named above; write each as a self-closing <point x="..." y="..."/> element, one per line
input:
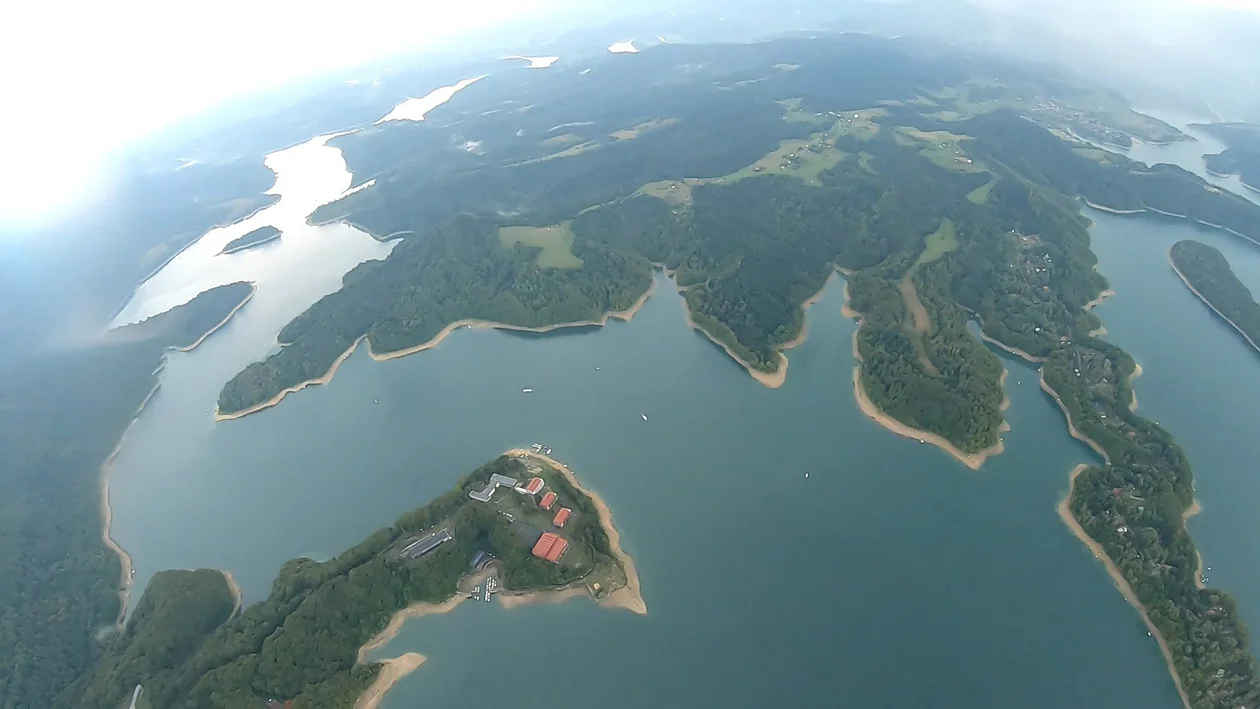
<point x="234" y="588"/>
<point x="1069" y="519"/>
<point x="775" y="379"/>
<point x="868" y="407"/>
<point x="628" y="597"/>
<point x="623" y="315"/>
<point x="253" y="289"/>
<point x="1208" y="303"/>
<point x="107" y="512"/>
<point x="392" y="670"/>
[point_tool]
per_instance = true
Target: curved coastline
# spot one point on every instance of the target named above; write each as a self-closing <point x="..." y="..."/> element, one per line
<point x="1069" y="520"/>
<point x="628" y="597"/>
<point x="868" y="407"/>
<point x="107" y="514"/>
<point x="253" y="289"/>
<point x="623" y="315"/>
<point x="1208" y="303"/>
<point x="775" y="379"/>
<point x="392" y="670"/>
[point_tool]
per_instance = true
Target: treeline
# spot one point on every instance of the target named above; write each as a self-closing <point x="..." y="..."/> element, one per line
<point x="1208" y="273"/>
<point x="1135" y="506"/>
<point x="249" y="240"/>
<point x="452" y="272"/>
<point x="302" y="641"/>
<point x="60" y="417"/>
<point x="1241" y="157"/>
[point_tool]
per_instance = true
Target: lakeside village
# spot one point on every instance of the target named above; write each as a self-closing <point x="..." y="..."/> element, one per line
<point x="535" y="514"/>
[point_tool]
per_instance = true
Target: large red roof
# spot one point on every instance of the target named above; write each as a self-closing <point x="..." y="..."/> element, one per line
<point x="562" y="516"/>
<point x="548" y="500"/>
<point x="550" y="547"/>
<point x="534" y="485"/>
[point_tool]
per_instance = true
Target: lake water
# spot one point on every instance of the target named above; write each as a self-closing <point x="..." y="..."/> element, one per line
<point x="893" y="576"/>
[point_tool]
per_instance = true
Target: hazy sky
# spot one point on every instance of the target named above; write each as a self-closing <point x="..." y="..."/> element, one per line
<point x="80" y="77"/>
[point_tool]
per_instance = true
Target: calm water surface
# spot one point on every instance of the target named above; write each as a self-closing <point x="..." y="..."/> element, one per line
<point x="892" y="576"/>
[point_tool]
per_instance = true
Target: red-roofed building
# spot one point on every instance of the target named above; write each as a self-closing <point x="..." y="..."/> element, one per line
<point x="550" y="547"/>
<point x="533" y="487"/>
<point x="562" y="516"/>
<point x="548" y="500"/>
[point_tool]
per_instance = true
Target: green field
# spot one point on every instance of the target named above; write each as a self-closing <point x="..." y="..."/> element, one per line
<point x="939" y="243"/>
<point x="980" y="195"/>
<point x="555" y="242"/>
<point x="860" y="124"/>
<point x="941" y="147"/>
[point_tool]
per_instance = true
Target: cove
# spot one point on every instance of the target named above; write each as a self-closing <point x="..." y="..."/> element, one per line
<point x="892" y="576"/>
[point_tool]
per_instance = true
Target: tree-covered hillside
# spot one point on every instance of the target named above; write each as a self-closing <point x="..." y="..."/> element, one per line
<point x="1206" y="271"/>
<point x="60" y="417"/>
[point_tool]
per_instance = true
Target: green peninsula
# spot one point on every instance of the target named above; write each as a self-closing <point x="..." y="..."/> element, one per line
<point x="62" y="417"/>
<point x="518" y="526"/>
<point x="1207" y="274"/>
<point x="252" y="239"/>
<point x="1241" y="156"/>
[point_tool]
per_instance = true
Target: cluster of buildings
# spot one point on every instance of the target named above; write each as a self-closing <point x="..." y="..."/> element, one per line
<point x="549" y="546"/>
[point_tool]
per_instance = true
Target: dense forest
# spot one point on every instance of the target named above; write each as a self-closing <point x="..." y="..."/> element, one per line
<point x="1241" y="157"/>
<point x="251" y="239"/>
<point x="1134" y="506"/>
<point x="1206" y="271"/>
<point x="60" y="417"/>
<point x="302" y="641"/>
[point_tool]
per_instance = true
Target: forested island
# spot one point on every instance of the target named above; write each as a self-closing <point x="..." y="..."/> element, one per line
<point x="61" y="415"/>
<point x="1207" y="274"/>
<point x="1241" y="157"/>
<point x="251" y="239"/>
<point x="187" y="647"/>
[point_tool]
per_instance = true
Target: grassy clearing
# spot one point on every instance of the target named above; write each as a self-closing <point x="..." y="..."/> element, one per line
<point x="860" y="124"/>
<point x="805" y="160"/>
<point x="938" y="243"/>
<point x="555" y="242"/>
<point x="941" y="147"/>
<point x="980" y="195"/>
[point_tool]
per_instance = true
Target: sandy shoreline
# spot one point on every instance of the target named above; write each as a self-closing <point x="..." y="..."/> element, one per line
<point x="436" y="340"/>
<point x="1112" y="210"/>
<point x="1013" y="350"/>
<point x="233" y="588"/>
<point x="868" y="407"/>
<point x="1071" y="426"/>
<point x="107" y="513"/>
<point x="1137" y="372"/>
<point x="1098" y="301"/>
<point x="774" y="379"/>
<point x="1199" y="295"/>
<point x="253" y="288"/>
<point x="1065" y="514"/>
<point x="392" y="670"/>
<point x="628" y="597"/>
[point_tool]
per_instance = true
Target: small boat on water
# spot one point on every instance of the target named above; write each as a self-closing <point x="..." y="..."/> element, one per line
<point x="527" y="391"/>
<point x="644" y="416"/>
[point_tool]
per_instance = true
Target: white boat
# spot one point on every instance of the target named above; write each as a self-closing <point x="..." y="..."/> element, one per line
<point x="526" y="391"/>
<point x="644" y="416"/>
